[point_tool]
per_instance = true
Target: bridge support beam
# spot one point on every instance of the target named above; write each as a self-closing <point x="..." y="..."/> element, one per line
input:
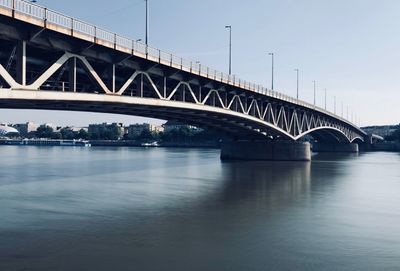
<point x="21" y="62"/>
<point x="72" y="74"/>
<point x="334" y="147"/>
<point x="263" y="150"/>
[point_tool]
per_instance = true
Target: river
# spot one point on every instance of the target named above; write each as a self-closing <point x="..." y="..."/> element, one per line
<point x="183" y="209"/>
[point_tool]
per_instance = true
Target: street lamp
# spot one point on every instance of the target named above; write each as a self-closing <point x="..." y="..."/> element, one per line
<point x="297" y="85"/>
<point x="334" y="105"/>
<point x="147" y="22"/>
<point x="272" y="70"/>
<point x="342" y="109"/>
<point x="230" y="48"/>
<point x="325" y="98"/>
<point x="315" y="93"/>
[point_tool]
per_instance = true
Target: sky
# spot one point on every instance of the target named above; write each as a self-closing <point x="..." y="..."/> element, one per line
<point x="351" y="48"/>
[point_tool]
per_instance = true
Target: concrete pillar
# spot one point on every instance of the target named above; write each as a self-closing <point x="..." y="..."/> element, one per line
<point x="334" y="147"/>
<point x="21" y="62"/>
<point x="265" y="150"/>
<point x="72" y="74"/>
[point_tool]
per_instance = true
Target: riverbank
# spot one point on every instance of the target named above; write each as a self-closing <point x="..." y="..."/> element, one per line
<point x="136" y="143"/>
<point x="108" y="143"/>
<point x="45" y="142"/>
<point x="382" y="146"/>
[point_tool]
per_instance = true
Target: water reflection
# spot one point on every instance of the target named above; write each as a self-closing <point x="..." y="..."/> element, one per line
<point x="175" y="209"/>
<point x="270" y="182"/>
<point x="340" y="156"/>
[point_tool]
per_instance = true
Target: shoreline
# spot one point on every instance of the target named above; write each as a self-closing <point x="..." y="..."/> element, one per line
<point x="378" y="147"/>
<point x="106" y="143"/>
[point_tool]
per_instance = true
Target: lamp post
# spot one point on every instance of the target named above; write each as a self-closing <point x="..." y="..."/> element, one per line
<point x="135" y="46"/>
<point x="147" y="23"/>
<point x="325" y="98"/>
<point x="272" y="70"/>
<point x="297" y="84"/>
<point x="315" y="93"/>
<point x="230" y="48"/>
<point x="334" y="105"/>
<point x="342" y="109"/>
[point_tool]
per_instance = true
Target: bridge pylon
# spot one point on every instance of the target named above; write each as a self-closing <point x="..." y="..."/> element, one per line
<point x="266" y="150"/>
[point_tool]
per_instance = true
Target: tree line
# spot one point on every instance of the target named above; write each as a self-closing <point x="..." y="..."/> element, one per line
<point x="394" y="136"/>
<point x="183" y="134"/>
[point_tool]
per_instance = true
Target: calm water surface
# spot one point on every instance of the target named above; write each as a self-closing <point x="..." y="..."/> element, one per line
<point x="178" y="209"/>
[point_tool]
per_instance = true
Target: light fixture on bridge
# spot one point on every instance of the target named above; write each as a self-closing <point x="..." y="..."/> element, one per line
<point x="297" y="85"/>
<point x="230" y="48"/>
<point x="272" y="71"/>
<point x="315" y="92"/>
<point x="334" y="105"/>
<point x="147" y="23"/>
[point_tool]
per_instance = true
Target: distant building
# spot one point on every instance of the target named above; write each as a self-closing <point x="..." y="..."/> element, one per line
<point x="75" y="129"/>
<point x="157" y="128"/>
<point x="175" y="125"/>
<point x="25" y="128"/>
<point x="50" y="125"/>
<point x="136" y="129"/>
<point x="7" y="130"/>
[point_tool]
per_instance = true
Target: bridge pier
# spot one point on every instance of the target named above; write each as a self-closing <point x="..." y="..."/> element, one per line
<point x="264" y="150"/>
<point x="334" y="147"/>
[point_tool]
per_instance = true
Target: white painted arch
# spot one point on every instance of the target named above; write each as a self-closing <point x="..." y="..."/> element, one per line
<point x="70" y="97"/>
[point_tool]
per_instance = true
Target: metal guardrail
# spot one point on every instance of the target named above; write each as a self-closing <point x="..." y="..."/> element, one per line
<point x="150" y="53"/>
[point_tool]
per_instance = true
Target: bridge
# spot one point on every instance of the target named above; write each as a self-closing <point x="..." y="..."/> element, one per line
<point x="52" y="61"/>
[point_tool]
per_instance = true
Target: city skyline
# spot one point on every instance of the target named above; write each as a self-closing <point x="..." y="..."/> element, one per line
<point x="336" y="44"/>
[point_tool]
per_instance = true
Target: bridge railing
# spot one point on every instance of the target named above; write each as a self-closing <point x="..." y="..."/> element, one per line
<point x="6" y="3"/>
<point x="56" y="18"/>
<point x="104" y="35"/>
<point x="107" y="38"/>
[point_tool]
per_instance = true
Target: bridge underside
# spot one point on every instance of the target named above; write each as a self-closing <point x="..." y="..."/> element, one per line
<point x="234" y="127"/>
<point x="45" y="69"/>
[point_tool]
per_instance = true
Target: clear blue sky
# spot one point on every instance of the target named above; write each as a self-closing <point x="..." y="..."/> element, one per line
<point x="350" y="47"/>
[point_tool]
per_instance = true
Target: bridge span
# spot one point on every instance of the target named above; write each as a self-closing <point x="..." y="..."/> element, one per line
<point x="52" y="61"/>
